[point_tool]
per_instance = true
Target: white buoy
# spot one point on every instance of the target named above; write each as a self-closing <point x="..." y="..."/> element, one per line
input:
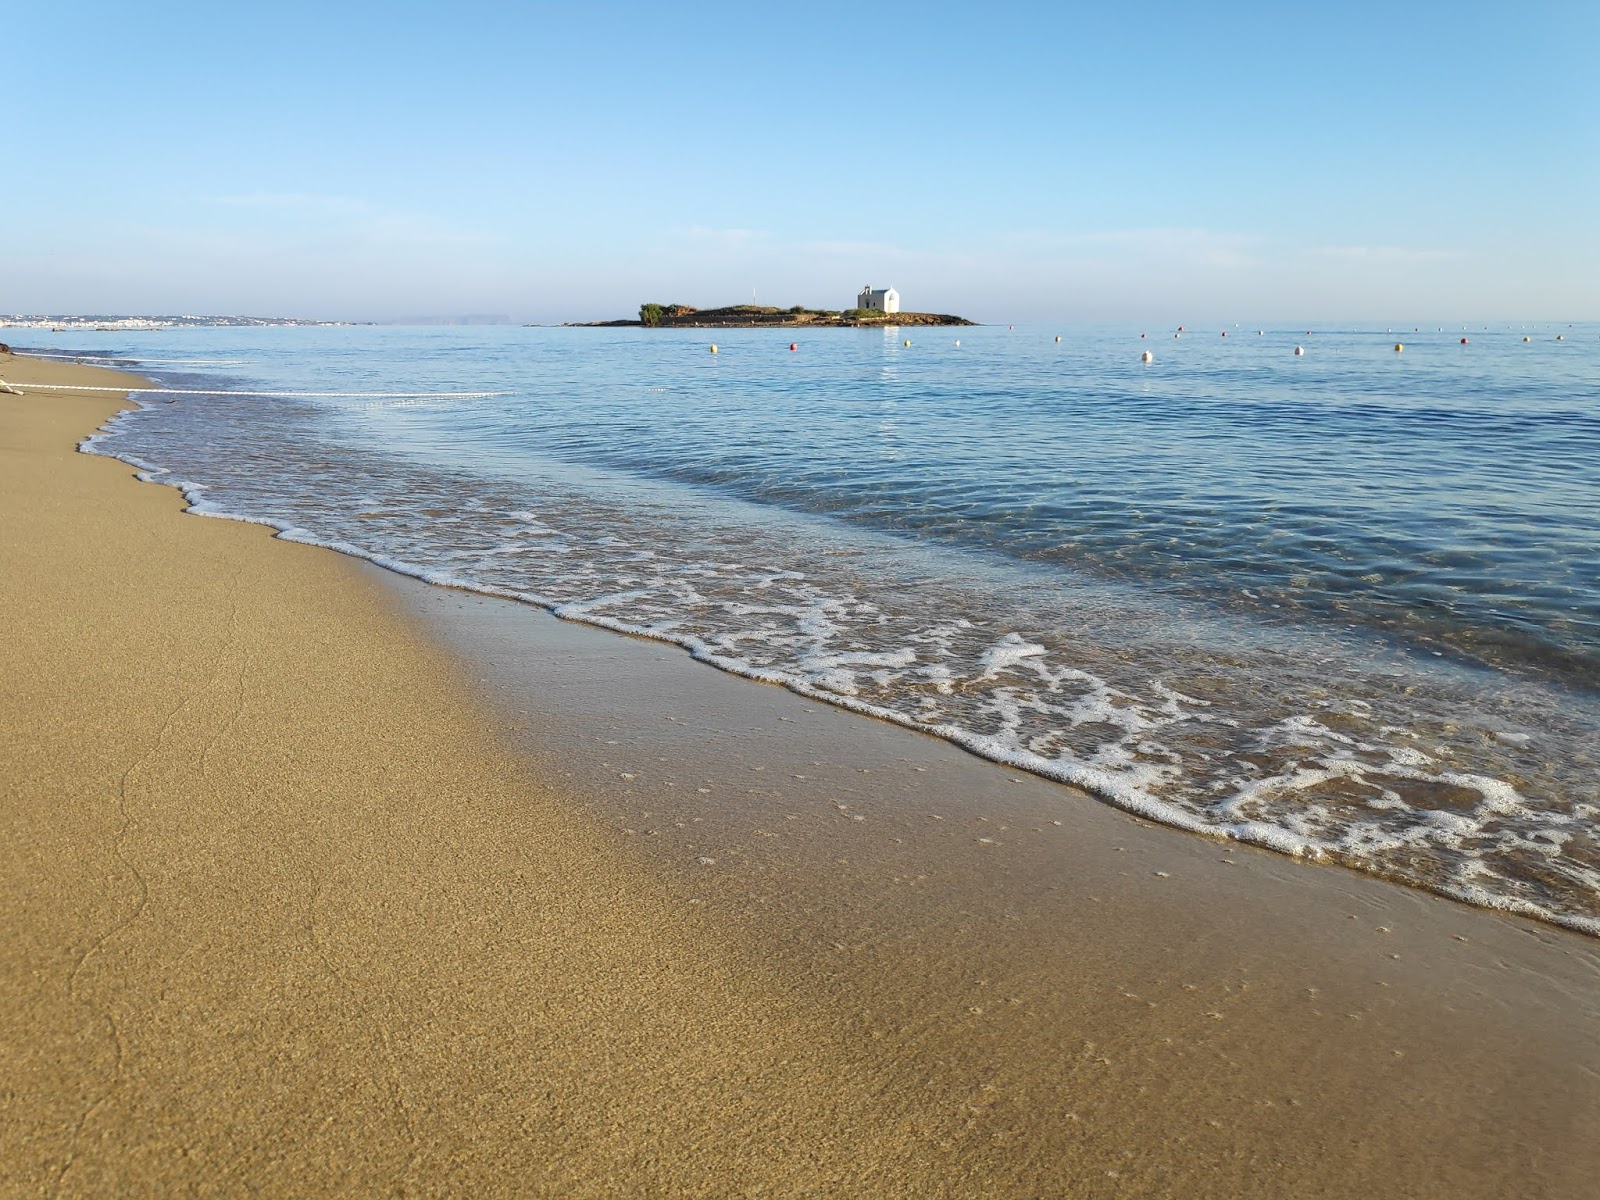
<point x="1527" y="339"/>
<point x="1561" y="337"/>
<point x="958" y="341"/>
<point x="907" y="342"/>
<point x="1299" y="350"/>
<point x="1058" y="337"/>
<point x="713" y="347"/>
<point x="1147" y="357"/>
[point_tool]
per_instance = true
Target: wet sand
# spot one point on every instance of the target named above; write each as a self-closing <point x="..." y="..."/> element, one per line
<point x="321" y="881"/>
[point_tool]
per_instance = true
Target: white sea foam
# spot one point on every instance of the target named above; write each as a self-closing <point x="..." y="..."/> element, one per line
<point x="1343" y="773"/>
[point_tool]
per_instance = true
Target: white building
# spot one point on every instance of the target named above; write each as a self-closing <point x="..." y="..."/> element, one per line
<point x="885" y="300"/>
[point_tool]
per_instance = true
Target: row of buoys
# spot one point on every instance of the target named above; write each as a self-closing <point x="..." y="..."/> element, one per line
<point x="1148" y="357"/>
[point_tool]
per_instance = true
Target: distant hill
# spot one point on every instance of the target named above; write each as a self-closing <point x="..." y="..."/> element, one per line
<point x="753" y="316"/>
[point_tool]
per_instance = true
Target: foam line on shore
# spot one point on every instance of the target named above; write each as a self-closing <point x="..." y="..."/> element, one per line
<point x="168" y="391"/>
<point x="1103" y="784"/>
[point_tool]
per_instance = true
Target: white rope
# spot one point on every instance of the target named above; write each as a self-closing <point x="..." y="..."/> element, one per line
<point x="73" y="387"/>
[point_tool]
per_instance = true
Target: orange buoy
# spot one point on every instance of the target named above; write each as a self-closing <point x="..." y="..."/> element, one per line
<point x="794" y="345"/>
<point x="1463" y="341"/>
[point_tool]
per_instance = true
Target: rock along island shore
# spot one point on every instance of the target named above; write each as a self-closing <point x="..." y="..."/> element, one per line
<point x="751" y="316"/>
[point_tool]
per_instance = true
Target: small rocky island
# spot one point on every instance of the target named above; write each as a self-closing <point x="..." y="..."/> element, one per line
<point x="751" y="316"/>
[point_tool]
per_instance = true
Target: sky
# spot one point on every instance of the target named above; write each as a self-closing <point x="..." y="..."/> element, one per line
<point x="1027" y="162"/>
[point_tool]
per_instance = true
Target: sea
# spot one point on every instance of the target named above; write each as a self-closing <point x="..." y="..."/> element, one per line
<point x="1298" y="587"/>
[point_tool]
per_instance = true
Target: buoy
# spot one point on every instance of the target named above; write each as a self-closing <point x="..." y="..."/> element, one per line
<point x="1299" y="350"/>
<point x="1058" y="337"/>
<point x="794" y="345"/>
<point x="1259" y="333"/>
<point x="1527" y="339"/>
<point x="1010" y="326"/>
<point x="1147" y="357"/>
<point x="1399" y="346"/>
<point x="713" y="347"/>
<point x="958" y="341"/>
<point x="1180" y="328"/>
<point x="1141" y="335"/>
<point x="1463" y="341"/>
<point x="1224" y="333"/>
<point x="1561" y="337"/>
<point x="907" y="342"/>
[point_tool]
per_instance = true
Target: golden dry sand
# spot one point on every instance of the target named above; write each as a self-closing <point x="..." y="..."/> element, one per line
<point x="285" y="914"/>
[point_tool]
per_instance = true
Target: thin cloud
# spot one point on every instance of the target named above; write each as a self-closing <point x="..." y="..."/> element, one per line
<point x="302" y="202"/>
<point x="1205" y="247"/>
<point x="725" y="237"/>
<point x="354" y="218"/>
<point x="1383" y="253"/>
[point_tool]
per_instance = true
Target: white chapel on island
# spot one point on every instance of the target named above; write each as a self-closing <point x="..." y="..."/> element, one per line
<point x="885" y="300"/>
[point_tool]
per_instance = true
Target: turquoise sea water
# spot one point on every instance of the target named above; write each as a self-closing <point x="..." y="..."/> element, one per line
<point x="1344" y="604"/>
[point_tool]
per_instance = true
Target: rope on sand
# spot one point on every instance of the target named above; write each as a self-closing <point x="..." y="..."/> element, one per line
<point x="73" y="387"/>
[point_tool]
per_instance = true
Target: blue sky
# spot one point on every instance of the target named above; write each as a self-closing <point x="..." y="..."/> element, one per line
<point x="1152" y="162"/>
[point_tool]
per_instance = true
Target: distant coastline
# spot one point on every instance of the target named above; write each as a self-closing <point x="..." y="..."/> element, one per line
<point x="752" y="316"/>
<point x="121" y="323"/>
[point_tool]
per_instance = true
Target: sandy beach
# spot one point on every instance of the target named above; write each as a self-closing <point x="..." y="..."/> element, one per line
<point x="321" y="881"/>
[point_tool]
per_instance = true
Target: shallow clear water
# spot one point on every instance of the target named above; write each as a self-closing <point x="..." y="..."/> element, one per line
<point x="1344" y="604"/>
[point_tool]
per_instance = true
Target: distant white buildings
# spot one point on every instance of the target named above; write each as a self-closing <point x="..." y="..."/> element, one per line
<point x="885" y="300"/>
